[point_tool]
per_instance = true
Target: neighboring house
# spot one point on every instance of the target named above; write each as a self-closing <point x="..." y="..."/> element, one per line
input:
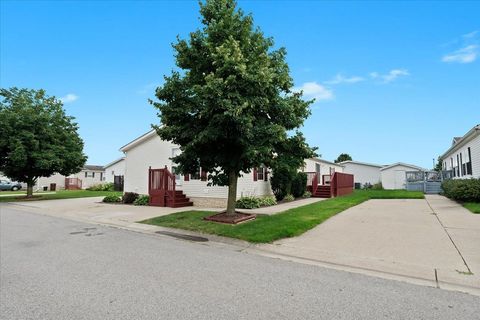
<point x="115" y="168"/>
<point x="90" y="175"/>
<point x="463" y="157"/>
<point x="149" y="151"/>
<point x="394" y="176"/>
<point x="323" y="167"/>
<point x="364" y="173"/>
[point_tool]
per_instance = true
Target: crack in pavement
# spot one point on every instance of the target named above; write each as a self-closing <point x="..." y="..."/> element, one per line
<point x="448" y="235"/>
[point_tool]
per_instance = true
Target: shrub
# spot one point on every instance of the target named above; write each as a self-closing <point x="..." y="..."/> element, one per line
<point x="307" y="194"/>
<point x="289" y="197"/>
<point x="268" y="201"/>
<point x="467" y="190"/>
<point x="299" y="184"/>
<point x="248" y="203"/>
<point x="101" y="187"/>
<point x="280" y="182"/>
<point x="377" y="186"/>
<point x="367" y="186"/>
<point x="129" y="197"/>
<point x="112" y="199"/>
<point x="141" y="201"/>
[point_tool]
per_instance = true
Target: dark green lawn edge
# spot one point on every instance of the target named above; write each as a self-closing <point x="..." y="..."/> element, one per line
<point x="474" y="207"/>
<point x="286" y="224"/>
<point x="60" y="195"/>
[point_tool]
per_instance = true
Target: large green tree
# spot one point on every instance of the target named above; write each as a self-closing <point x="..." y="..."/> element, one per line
<point x="37" y="138"/>
<point x="232" y="103"/>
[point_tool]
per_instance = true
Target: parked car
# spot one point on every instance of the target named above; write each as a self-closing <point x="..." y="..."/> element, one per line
<point x="9" y="185"/>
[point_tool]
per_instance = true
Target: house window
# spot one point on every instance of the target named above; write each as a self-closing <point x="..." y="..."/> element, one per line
<point x="462" y="167"/>
<point x="89" y="174"/>
<point x="260" y="174"/>
<point x="469" y="163"/>
<point x="86" y="174"/>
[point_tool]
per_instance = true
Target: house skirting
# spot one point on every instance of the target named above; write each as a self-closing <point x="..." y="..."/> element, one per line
<point x="209" y="202"/>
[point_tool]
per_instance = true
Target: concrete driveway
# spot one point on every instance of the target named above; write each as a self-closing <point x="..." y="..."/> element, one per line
<point x="433" y="240"/>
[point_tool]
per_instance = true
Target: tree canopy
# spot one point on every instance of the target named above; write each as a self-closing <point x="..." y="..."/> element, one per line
<point x="38" y="138"/>
<point x="343" y="157"/>
<point x="231" y="105"/>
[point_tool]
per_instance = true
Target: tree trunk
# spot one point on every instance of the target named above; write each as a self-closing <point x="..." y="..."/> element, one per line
<point x="29" y="189"/>
<point x="232" y="192"/>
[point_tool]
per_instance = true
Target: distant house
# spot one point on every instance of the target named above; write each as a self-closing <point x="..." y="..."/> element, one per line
<point x="364" y="173"/>
<point x="89" y="175"/>
<point x="114" y="168"/>
<point x="394" y="176"/>
<point x="463" y="156"/>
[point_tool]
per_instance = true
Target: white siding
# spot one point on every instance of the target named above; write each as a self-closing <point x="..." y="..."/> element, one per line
<point x="362" y="173"/>
<point x="325" y="166"/>
<point x="89" y="181"/>
<point x="395" y="177"/>
<point x="155" y="152"/>
<point x="46" y="181"/>
<point x="116" y="169"/>
<point x="474" y="145"/>
<point x="59" y="180"/>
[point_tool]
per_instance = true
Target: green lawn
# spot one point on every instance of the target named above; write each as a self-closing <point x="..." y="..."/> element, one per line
<point x="472" y="206"/>
<point x="286" y="224"/>
<point x="64" y="194"/>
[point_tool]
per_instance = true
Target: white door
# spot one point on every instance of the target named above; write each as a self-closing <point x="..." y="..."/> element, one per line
<point x="178" y="177"/>
<point x="399" y="179"/>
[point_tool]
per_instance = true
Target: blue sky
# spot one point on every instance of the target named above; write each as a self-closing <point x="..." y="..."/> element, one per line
<point x="394" y="81"/>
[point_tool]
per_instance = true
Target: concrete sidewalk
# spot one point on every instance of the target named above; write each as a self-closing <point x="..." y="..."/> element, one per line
<point x="434" y="240"/>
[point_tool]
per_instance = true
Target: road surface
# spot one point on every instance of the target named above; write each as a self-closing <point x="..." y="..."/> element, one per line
<point x="53" y="268"/>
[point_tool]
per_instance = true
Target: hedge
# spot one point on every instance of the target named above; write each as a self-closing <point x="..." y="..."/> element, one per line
<point x="467" y="190"/>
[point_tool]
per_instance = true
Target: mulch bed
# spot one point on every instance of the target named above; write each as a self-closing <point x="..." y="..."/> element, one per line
<point x="238" y="217"/>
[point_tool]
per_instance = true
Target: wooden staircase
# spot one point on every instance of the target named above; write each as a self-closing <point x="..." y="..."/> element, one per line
<point x="181" y="200"/>
<point x="323" y="191"/>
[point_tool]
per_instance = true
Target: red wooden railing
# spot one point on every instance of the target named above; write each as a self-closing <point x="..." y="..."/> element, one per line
<point x="161" y="187"/>
<point x="341" y="184"/>
<point x="312" y="181"/>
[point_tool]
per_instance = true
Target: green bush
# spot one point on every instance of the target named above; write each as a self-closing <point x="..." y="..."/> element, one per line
<point x="299" y="184"/>
<point x="101" y="187"/>
<point x="280" y="182"/>
<point x="289" y="197"/>
<point x="129" y="197"/>
<point x="307" y="194"/>
<point x="268" y="201"/>
<point x="248" y="203"/>
<point x="141" y="201"/>
<point x="252" y="202"/>
<point x="112" y="199"/>
<point x="467" y="190"/>
<point x="377" y="186"/>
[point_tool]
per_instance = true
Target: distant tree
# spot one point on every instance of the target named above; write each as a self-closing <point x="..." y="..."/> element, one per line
<point x="233" y="104"/>
<point x="439" y="166"/>
<point x="37" y="138"/>
<point x="343" y="157"/>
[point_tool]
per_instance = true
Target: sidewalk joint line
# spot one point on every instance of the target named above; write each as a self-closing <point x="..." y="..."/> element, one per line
<point x="448" y="234"/>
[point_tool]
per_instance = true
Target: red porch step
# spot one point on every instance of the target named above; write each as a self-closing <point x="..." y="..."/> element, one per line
<point x="322" y="192"/>
<point x="181" y="200"/>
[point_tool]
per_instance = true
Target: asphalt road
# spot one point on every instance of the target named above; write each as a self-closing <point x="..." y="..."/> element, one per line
<point x="53" y="268"/>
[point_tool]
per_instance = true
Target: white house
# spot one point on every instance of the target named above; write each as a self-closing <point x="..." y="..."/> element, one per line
<point x="394" y="176"/>
<point x="89" y="175"/>
<point x="323" y="167"/>
<point x="463" y="156"/>
<point x="149" y="150"/>
<point x="114" y="168"/>
<point x="363" y="172"/>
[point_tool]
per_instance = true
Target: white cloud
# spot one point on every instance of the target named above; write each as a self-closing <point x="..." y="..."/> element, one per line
<point x="339" y="78"/>
<point x="315" y="90"/>
<point x="69" y="98"/>
<point x="466" y="54"/>
<point x="470" y="34"/>
<point x="390" y="76"/>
